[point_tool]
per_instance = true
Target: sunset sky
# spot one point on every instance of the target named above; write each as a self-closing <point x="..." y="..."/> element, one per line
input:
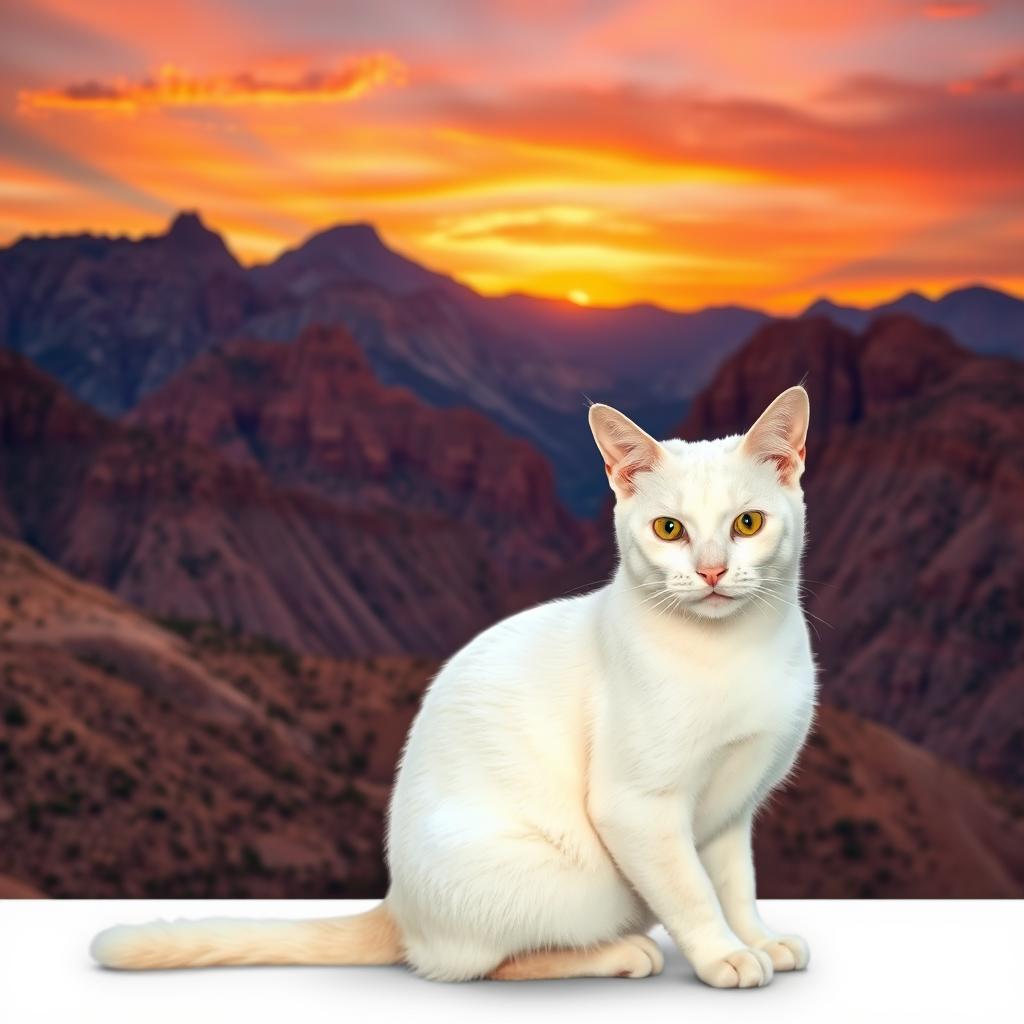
<point x="614" y="151"/>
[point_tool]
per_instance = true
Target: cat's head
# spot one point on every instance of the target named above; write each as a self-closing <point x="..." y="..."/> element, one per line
<point x="708" y="528"/>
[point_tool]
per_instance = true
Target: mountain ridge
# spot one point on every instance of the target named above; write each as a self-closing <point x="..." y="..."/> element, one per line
<point x="145" y="759"/>
<point x="312" y="414"/>
<point x="181" y="531"/>
<point x="114" y="319"/>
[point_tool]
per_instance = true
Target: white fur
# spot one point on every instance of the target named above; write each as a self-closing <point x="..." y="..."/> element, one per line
<point x="592" y="766"/>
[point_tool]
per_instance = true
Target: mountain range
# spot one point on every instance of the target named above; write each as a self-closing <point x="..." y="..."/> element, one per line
<point x="980" y="318"/>
<point x="245" y="513"/>
<point x="313" y="416"/>
<point x="114" y="319"/>
<point x="257" y="538"/>
<point x="144" y="762"/>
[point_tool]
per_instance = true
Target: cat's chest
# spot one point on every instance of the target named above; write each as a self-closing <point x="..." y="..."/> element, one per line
<point x="688" y="718"/>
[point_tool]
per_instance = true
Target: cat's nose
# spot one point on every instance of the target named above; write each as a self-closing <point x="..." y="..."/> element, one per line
<point x="711" y="575"/>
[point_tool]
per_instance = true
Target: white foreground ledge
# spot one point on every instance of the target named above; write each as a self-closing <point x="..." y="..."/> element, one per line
<point x="871" y="961"/>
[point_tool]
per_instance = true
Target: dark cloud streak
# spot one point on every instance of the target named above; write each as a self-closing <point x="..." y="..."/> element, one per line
<point x="26" y="148"/>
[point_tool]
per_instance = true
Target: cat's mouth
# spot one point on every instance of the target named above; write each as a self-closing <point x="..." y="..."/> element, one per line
<point x="716" y="597"/>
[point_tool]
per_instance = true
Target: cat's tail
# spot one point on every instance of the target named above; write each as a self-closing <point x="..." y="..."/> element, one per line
<point x="369" y="938"/>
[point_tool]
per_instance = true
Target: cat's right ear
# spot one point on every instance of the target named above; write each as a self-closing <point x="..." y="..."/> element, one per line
<point x="627" y="450"/>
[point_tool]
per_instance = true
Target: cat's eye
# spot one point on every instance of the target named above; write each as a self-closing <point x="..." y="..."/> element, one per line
<point x="668" y="529"/>
<point x="746" y="524"/>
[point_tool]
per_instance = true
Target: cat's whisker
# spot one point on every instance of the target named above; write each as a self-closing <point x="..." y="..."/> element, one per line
<point x="763" y="601"/>
<point x="799" y="584"/>
<point x="579" y="588"/>
<point x="798" y="578"/>
<point x="654" y="601"/>
<point x="767" y="595"/>
<point x="647" y="586"/>
<point x="666" y="601"/>
<point x="824" y="622"/>
<point x="817" y="632"/>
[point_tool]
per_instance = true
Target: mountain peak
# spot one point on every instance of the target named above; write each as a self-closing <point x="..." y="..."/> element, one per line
<point x="188" y="233"/>
<point x="356" y="231"/>
<point x="821" y="305"/>
<point x="351" y="252"/>
<point x="188" y="225"/>
<point x="979" y="291"/>
<point x="912" y="296"/>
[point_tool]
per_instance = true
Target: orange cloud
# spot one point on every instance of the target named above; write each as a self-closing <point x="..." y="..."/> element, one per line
<point x="172" y="87"/>
<point x="894" y="137"/>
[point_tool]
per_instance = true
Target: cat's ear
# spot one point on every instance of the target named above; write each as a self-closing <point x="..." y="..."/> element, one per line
<point x="627" y="450"/>
<point x="780" y="435"/>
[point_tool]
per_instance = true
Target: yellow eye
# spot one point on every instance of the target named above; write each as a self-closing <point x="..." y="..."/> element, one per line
<point x="746" y="524"/>
<point x="668" y="529"/>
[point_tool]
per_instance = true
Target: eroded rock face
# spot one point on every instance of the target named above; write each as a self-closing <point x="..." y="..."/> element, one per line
<point x="183" y="532"/>
<point x="142" y="762"/>
<point x="313" y="415"/>
<point x="914" y="483"/>
<point x="849" y="377"/>
<point x="113" y="319"/>
<point x="869" y="814"/>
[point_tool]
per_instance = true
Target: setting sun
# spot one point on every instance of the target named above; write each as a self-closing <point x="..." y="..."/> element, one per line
<point x="580" y="297"/>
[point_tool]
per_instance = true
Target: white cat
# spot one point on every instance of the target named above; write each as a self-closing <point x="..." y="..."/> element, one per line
<point x="592" y="766"/>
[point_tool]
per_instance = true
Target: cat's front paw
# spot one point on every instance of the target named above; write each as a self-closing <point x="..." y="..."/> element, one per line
<point x="743" y="968"/>
<point x="787" y="952"/>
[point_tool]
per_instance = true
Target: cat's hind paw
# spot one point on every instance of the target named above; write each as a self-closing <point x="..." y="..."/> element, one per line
<point x="745" y="968"/>
<point x="787" y="952"/>
<point x="652" y="949"/>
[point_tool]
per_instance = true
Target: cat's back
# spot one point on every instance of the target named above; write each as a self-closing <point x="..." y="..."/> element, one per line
<point x="523" y="666"/>
<point x="511" y="705"/>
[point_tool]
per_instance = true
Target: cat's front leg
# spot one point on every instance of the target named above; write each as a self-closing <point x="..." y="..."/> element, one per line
<point x="651" y="844"/>
<point x="729" y="861"/>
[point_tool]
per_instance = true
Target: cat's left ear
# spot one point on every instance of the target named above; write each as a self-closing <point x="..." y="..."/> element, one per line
<point x="780" y="435"/>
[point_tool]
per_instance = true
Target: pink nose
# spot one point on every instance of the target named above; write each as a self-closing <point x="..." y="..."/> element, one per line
<point x="712" y="576"/>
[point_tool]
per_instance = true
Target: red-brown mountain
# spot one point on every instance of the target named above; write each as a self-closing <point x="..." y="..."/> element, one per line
<point x="114" y="318"/>
<point x="528" y="363"/>
<point x="184" y="532"/>
<point x="139" y="762"/>
<point x="313" y="415"/>
<point x="914" y="487"/>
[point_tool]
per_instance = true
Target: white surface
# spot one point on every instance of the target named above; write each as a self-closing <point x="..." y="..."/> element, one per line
<point x="870" y="962"/>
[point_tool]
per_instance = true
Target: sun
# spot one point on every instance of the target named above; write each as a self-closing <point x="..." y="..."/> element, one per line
<point x="579" y="296"/>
